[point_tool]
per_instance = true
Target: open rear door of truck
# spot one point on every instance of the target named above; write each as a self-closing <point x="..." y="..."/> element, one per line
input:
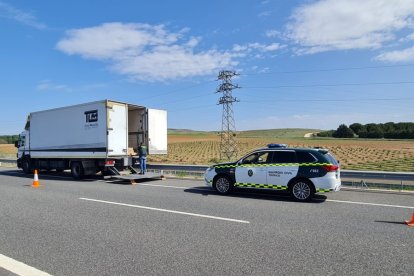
<point x="117" y="129"/>
<point x="157" y="131"/>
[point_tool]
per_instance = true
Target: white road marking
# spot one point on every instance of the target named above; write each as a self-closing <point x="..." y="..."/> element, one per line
<point x="371" y="204"/>
<point x="163" y="186"/>
<point x="19" y="268"/>
<point x="165" y="210"/>
<point x="329" y="200"/>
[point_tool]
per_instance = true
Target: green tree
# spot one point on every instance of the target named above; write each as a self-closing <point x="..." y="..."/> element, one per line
<point x="374" y="131"/>
<point x="343" y="131"/>
<point x="328" y="133"/>
<point x="356" y="128"/>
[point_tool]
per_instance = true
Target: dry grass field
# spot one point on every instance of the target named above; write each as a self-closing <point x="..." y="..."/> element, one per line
<point x="7" y="151"/>
<point x="354" y="154"/>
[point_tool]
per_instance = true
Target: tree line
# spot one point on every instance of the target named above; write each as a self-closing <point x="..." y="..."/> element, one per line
<point x="8" y="139"/>
<point x="356" y="130"/>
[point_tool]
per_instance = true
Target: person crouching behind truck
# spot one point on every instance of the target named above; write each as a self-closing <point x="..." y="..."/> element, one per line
<point x="142" y="151"/>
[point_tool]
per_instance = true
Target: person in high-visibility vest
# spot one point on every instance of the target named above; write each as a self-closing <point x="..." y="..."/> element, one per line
<point x="142" y="151"/>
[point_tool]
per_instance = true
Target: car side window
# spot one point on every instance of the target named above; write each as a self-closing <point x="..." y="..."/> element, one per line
<point x="257" y="158"/>
<point x="305" y="157"/>
<point x="284" y="157"/>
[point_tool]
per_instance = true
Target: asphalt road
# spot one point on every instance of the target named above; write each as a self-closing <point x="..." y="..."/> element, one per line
<point x="180" y="227"/>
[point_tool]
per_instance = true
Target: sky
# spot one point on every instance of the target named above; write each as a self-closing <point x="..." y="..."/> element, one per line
<point x="301" y="64"/>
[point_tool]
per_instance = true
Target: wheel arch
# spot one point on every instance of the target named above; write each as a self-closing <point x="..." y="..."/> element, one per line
<point x="220" y="174"/>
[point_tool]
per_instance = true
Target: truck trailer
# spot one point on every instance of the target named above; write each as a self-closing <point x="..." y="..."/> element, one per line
<point x="101" y="136"/>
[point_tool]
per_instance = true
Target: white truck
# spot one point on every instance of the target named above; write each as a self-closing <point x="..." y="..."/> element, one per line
<point x="101" y="136"/>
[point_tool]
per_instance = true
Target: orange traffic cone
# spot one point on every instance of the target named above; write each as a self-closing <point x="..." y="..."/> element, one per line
<point x="36" y="183"/>
<point x="410" y="222"/>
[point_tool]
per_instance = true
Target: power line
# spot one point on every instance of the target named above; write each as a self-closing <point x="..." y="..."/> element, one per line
<point x="329" y="85"/>
<point x="329" y="70"/>
<point x="186" y="99"/>
<point x="332" y="100"/>
<point x="176" y="90"/>
<point x="190" y="108"/>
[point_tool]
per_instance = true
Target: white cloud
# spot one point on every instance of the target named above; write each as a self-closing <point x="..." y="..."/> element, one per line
<point x="327" y="25"/>
<point x="145" y="52"/>
<point x="250" y="47"/>
<point x="409" y="37"/>
<point x="8" y="11"/>
<point x="152" y="53"/>
<point x="405" y="55"/>
<point x="272" y="33"/>
<point x="264" y="14"/>
<point x="47" y="85"/>
<point x="112" y="39"/>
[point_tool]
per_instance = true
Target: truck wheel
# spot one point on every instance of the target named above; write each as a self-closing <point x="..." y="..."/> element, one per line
<point x="27" y="165"/>
<point x="301" y="190"/>
<point x="222" y="184"/>
<point x="76" y="170"/>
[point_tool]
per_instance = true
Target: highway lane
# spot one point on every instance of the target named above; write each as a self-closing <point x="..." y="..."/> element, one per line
<point x="54" y="229"/>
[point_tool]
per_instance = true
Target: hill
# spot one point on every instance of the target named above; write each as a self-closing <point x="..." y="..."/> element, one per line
<point x="277" y="133"/>
<point x="263" y="133"/>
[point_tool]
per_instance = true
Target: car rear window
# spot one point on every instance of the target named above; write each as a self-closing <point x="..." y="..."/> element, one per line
<point x="305" y="157"/>
<point x="331" y="159"/>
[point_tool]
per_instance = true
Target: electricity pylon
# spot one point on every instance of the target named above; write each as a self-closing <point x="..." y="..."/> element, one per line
<point x="228" y="145"/>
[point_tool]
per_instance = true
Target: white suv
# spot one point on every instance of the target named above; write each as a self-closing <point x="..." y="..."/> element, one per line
<point x="301" y="171"/>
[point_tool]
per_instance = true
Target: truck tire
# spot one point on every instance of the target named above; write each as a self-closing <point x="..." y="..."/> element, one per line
<point x="27" y="165"/>
<point x="76" y="170"/>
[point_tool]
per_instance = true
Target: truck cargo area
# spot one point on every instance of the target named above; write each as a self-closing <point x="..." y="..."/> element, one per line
<point x="102" y="136"/>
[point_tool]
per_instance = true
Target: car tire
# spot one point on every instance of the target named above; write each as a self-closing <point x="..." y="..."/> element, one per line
<point x="301" y="190"/>
<point x="222" y="184"/>
<point x="27" y="165"/>
<point x="76" y="169"/>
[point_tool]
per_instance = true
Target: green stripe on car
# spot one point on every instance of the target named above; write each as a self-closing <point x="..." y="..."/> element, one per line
<point x="266" y="186"/>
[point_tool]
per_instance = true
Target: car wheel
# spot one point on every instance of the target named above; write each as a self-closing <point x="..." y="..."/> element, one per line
<point x="301" y="190"/>
<point x="27" y="165"/>
<point x="223" y="185"/>
<point x="76" y="170"/>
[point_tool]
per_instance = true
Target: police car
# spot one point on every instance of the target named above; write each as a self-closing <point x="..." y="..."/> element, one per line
<point x="300" y="171"/>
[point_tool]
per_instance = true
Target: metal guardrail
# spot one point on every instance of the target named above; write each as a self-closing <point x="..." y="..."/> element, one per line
<point x="362" y="179"/>
<point x="406" y="176"/>
<point x="8" y="162"/>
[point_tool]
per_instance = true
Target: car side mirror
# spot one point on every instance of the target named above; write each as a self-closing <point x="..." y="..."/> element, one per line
<point x="16" y="144"/>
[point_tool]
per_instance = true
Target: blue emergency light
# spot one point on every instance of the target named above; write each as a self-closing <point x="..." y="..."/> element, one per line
<point x="277" y="145"/>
